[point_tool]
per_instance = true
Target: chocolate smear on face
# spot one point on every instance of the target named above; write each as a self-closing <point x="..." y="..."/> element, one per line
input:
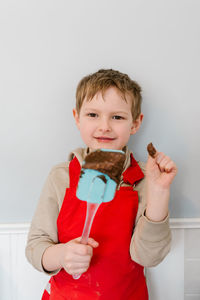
<point x="151" y="150"/>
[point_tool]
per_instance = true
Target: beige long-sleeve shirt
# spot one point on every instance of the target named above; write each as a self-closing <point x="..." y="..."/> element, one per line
<point x="150" y="242"/>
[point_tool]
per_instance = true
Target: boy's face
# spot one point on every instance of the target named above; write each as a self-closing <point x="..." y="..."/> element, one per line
<point x="106" y="122"/>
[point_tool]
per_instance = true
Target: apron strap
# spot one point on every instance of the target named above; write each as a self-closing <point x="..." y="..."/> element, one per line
<point x="133" y="174"/>
<point x="74" y="172"/>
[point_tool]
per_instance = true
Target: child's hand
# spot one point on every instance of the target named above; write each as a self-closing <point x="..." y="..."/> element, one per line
<point x="75" y="257"/>
<point x="160" y="172"/>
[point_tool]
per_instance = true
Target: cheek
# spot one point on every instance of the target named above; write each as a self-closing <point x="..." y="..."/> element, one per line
<point x="84" y="124"/>
<point x="124" y="128"/>
<point x="86" y="128"/>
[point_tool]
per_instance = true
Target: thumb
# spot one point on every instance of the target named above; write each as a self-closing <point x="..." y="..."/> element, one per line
<point x="153" y="153"/>
<point x="92" y="243"/>
<point x="153" y="156"/>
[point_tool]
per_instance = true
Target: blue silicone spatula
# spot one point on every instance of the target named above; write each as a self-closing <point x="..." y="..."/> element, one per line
<point x="96" y="187"/>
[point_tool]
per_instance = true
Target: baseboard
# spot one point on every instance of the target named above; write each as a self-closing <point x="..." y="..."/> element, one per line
<point x="184" y="223"/>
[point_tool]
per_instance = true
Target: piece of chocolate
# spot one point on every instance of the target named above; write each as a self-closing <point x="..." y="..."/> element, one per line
<point x="151" y="150"/>
<point x="110" y="163"/>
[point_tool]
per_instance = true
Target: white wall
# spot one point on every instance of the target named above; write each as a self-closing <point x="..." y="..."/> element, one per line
<point x="48" y="46"/>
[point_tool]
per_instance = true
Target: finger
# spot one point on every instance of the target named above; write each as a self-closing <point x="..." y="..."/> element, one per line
<point x="77" y="258"/>
<point x="90" y="242"/>
<point x="151" y="162"/>
<point x="77" y="266"/>
<point x="163" y="162"/>
<point x="167" y="165"/>
<point x="170" y="167"/>
<point x="159" y="157"/>
<point x="93" y="243"/>
<point x="82" y="249"/>
<point x="77" y="269"/>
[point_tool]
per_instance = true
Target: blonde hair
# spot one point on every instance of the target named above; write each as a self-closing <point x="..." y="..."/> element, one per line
<point x="101" y="80"/>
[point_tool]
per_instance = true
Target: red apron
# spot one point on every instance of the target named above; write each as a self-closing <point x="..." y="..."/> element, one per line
<point x="112" y="274"/>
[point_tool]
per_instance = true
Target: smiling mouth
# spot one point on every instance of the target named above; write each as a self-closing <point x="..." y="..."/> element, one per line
<point x="103" y="138"/>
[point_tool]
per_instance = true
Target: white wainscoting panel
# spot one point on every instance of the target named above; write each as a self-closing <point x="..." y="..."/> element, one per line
<point x="166" y="281"/>
<point x="20" y="281"/>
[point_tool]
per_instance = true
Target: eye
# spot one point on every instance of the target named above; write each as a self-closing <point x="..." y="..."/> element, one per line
<point x="92" y="115"/>
<point x="118" y="118"/>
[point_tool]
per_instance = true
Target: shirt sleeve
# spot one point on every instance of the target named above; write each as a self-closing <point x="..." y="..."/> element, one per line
<point x="151" y="241"/>
<point x="43" y="230"/>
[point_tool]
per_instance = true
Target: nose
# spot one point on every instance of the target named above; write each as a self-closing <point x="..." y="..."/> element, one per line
<point x="104" y="125"/>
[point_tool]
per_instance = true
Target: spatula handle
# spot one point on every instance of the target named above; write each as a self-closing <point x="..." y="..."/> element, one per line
<point x="91" y="211"/>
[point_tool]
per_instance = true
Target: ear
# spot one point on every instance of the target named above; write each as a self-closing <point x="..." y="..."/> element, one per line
<point x="76" y="117"/>
<point x="136" y="124"/>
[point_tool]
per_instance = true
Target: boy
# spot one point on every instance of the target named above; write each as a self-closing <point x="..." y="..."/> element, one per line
<point x="129" y="233"/>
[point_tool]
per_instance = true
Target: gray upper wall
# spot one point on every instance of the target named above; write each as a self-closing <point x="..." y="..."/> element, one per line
<point x="48" y="46"/>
